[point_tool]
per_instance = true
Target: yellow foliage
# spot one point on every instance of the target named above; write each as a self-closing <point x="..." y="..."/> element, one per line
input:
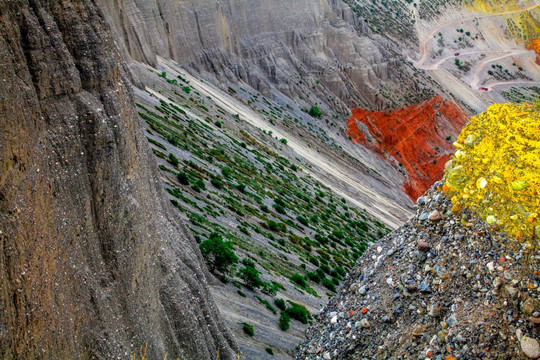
<point x="522" y="17"/>
<point x="496" y="169"/>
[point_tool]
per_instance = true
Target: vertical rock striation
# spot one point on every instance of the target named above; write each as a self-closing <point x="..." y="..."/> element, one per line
<point x="92" y="262"/>
<point x="310" y="51"/>
<point x="418" y="137"/>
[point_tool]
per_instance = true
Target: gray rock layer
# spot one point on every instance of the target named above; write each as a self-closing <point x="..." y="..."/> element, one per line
<point x="267" y="44"/>
<point x="93" y="264"/>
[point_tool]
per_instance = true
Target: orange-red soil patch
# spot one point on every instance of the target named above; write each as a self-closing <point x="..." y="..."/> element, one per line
<point x="415" y="136"/>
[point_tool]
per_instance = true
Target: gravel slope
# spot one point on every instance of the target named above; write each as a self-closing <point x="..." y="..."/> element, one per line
<point x="443" y="289"/>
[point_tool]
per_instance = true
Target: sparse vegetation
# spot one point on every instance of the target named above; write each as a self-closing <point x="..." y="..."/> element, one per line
<point x="248" y="329"/>
<point x="218" y="254"/>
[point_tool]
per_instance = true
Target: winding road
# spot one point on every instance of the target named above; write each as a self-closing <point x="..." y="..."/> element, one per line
<point x="421" y="64"/>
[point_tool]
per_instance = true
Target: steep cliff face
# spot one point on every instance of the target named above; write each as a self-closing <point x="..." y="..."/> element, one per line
<point x="417" y="137"/>
<point x="92" y="262"/>
<point x="310" y="51"/>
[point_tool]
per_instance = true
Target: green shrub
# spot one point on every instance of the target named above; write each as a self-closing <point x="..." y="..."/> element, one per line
<point x="302" y="220"/>
<point x="241" y="187"/>
<point x="284" y="141"/>
<point x="186" y="89"/>
<point x="264" y="208"/>
<point x="182" y="178"/>
<point x="200" y="183"/>
<point x="269" y="288"/>
<point x="298" y="312"/>
<point x="315" y="112"/>
<point x="243" y="229"/>
<point x="267" y="304"/>
<point x="217" y="183"/>
<point x="226" y="171"/>
<point x="218" y="254"/>
<point x="280" y="209"/>
<point x="313" y="260"/>
<point x="325" y="268"/>
<point x="269" y="350"/>
<point x="315" y="277"/>
<point x="248" y="329"/>
<point x="251" y="278"/>
<point x="280" y="303"/>
<point x="173" y="159"/>
<point x="275" y="226"/>
<point x="329" y="284"/>
<point x="340" y="271"/>
<point x="241" y="293"/>
<point x="284" y="321"/>
<point x="298" y="280"/>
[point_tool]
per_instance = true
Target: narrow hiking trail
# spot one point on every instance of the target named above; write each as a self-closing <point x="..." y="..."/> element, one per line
<point x="480" y="67"/>
<point x="421" y="63"/>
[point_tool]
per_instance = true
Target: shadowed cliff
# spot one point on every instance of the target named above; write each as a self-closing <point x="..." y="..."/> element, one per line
<point x="92" y="262"/>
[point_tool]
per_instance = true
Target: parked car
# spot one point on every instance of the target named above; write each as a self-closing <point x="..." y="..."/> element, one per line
<point x="483" y="88"/>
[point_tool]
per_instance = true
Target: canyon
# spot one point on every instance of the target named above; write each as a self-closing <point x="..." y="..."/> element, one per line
<point x="301" y="132"/>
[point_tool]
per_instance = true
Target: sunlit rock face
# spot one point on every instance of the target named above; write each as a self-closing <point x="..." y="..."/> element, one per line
<point x="418" y="138"/>
<point x="496" y="169"/>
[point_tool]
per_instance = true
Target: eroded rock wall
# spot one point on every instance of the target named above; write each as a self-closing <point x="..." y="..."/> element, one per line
<point x="418" y="137"/>
<point x="92" y="261"/>
<point x="269" y="44"/>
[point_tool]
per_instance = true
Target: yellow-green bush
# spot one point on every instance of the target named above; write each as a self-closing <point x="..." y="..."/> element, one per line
<point x="496" y="169"/>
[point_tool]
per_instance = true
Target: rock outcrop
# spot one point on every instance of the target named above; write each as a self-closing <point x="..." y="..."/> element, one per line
<point x="417" y="137"/>
<point x="310" y="51"/>
<point x="93" y="264"/>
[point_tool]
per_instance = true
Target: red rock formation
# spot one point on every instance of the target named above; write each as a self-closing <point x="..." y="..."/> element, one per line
<point x="535" y="45"/>
<point x="415" y="136"/>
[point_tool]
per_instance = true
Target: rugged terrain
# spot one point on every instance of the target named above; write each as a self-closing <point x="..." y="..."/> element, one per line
<point x="442" y="286"/>
<point x="419" y="138"/>
<point x="93" y="262"/>
<point x="247" y="110"/>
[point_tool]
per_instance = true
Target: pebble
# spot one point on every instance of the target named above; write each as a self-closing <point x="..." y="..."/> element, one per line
<point x="424" y="287"/>
<point x="529" y="306"/>
<point x="530" y="347"/>
<point x="510" y="290"/>
<point x="436" y="269"/>
<point x="423" y="246"/>
<point x="442" y="335"/>
<point x="362" y="290"/>
<point x="420" y="256"/>
<point x="435" y="216"/>
<point x="364" y="323"/>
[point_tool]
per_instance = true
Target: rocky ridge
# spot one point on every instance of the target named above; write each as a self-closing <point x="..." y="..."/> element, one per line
<point x="443" y="286"/>
<point x="93" y="262"/>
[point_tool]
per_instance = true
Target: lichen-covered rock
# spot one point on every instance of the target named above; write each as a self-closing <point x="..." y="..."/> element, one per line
<point x="495" y="170"/>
